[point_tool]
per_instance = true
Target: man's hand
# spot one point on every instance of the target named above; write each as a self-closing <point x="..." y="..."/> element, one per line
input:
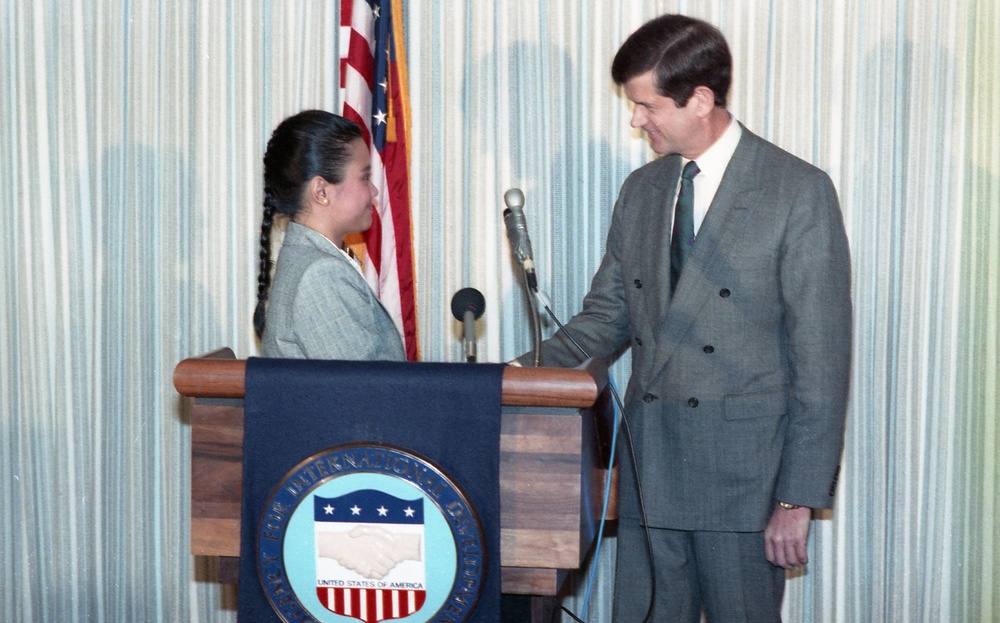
<point x="786" y="536"/>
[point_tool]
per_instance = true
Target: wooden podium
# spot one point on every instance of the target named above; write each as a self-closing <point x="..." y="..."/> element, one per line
<point x="555" y="440"/>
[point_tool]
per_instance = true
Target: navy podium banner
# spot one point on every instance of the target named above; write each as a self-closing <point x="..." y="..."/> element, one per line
<point x="370" y="492"/>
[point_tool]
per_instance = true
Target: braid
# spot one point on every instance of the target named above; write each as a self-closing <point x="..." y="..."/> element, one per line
<point x="264" y="277"/>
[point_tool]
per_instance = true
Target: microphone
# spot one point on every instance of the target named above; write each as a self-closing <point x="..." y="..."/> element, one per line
<point x="517" y="234"/>
<point x="467" y="305"/>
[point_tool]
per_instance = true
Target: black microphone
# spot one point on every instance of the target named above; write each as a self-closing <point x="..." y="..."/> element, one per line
<point x="467" y="305"/>
<point x="517" y="234"/>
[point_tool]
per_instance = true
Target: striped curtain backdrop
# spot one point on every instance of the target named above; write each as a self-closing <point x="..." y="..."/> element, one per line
<point x="131" y="137"/>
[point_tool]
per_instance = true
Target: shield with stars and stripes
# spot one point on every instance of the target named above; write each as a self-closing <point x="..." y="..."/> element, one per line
<point x="370" y="555"/>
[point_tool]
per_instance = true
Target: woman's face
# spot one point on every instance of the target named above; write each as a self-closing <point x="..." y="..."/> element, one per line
<point x="354" y="195"/>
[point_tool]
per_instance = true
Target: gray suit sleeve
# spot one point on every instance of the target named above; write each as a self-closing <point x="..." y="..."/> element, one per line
<point x="602" y="326"/>
<point x="815" y="284"/>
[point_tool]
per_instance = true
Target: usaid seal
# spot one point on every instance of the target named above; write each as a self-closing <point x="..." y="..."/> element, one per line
<point x="370" y="532"/>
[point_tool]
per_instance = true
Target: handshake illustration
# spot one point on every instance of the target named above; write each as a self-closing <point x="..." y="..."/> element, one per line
<point x="370" y="551"/>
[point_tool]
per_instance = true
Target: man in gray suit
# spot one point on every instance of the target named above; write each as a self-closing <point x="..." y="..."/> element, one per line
<point x="738" y="314"/>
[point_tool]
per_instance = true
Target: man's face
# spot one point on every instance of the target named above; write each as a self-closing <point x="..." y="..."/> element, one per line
<point x="671" y="129"/>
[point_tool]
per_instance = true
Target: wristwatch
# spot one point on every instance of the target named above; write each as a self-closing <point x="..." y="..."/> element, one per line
<point x="787" y="506"/>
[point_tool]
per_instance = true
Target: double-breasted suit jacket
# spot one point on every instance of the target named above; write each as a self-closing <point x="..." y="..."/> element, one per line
<point x="320" y="307"/>
<point x="739" y="380"/>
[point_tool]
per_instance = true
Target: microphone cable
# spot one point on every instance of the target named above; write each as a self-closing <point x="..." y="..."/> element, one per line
<point x="620" y="409"/>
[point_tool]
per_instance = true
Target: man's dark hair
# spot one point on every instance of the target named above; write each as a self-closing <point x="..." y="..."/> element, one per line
<point x="682" y="52"/>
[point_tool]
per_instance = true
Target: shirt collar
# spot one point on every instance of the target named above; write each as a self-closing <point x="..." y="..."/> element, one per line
<point x="354" y="261"/>
<point x="326" y="244"/>
<point x="716" y="158"/>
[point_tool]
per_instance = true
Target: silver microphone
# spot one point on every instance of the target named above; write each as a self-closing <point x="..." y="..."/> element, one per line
<point x="517" y="234"/>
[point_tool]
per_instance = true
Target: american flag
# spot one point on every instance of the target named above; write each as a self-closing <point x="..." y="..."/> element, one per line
<point x="373" y="83"/>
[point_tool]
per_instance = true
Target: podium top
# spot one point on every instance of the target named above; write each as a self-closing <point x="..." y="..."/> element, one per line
<point x="220" y="375"/>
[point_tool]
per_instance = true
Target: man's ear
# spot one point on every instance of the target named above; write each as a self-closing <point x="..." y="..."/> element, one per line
<point x="704" y="99"/>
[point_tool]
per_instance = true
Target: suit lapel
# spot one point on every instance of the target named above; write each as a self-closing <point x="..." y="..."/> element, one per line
<point x="728" y="211"/>
<point x="300" y="235"/>
<point x="654" y="247"/>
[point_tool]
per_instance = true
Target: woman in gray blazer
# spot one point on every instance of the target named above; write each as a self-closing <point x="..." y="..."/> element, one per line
<point x="316" y="174"/>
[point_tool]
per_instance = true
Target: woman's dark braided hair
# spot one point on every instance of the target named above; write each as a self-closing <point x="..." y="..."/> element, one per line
<point x="311" y="143"/>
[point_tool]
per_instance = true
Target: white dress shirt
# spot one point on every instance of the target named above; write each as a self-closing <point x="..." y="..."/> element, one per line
<point x="712" y="165"/>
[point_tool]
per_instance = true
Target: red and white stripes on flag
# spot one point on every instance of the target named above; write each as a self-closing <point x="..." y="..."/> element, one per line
<point x="371" y="605"/>
<point x="375" y="95"/>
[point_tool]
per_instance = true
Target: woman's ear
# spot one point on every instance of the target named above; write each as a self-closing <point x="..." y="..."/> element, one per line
<point x="318" y="191"/>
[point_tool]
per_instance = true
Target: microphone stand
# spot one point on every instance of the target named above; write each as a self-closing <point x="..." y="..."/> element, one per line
<point x="517" y="234"/>
<point x="536" y="321"/>
<point x="467" y="305"/>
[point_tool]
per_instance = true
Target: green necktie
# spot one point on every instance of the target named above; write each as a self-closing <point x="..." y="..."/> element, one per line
<point x="682" y="237"/>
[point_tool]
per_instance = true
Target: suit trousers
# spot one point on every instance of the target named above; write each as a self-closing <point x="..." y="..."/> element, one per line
<point x="726" y="574"/>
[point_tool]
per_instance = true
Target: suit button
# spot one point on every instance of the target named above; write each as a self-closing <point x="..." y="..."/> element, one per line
<point x="638" y="342"/>
<point x="709" y="349"/>
<point x="724" y="293"/>
<point x="648" y="398"/>
<point x="637" y="283"/>
<point x="692" y="402"/>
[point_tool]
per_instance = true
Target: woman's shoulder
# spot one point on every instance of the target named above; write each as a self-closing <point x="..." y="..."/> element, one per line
<point x="306" y="250"/>
<point x="330" y="268"/>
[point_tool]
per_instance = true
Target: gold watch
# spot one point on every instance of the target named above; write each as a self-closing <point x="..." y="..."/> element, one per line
<point x="787" y="506"/>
